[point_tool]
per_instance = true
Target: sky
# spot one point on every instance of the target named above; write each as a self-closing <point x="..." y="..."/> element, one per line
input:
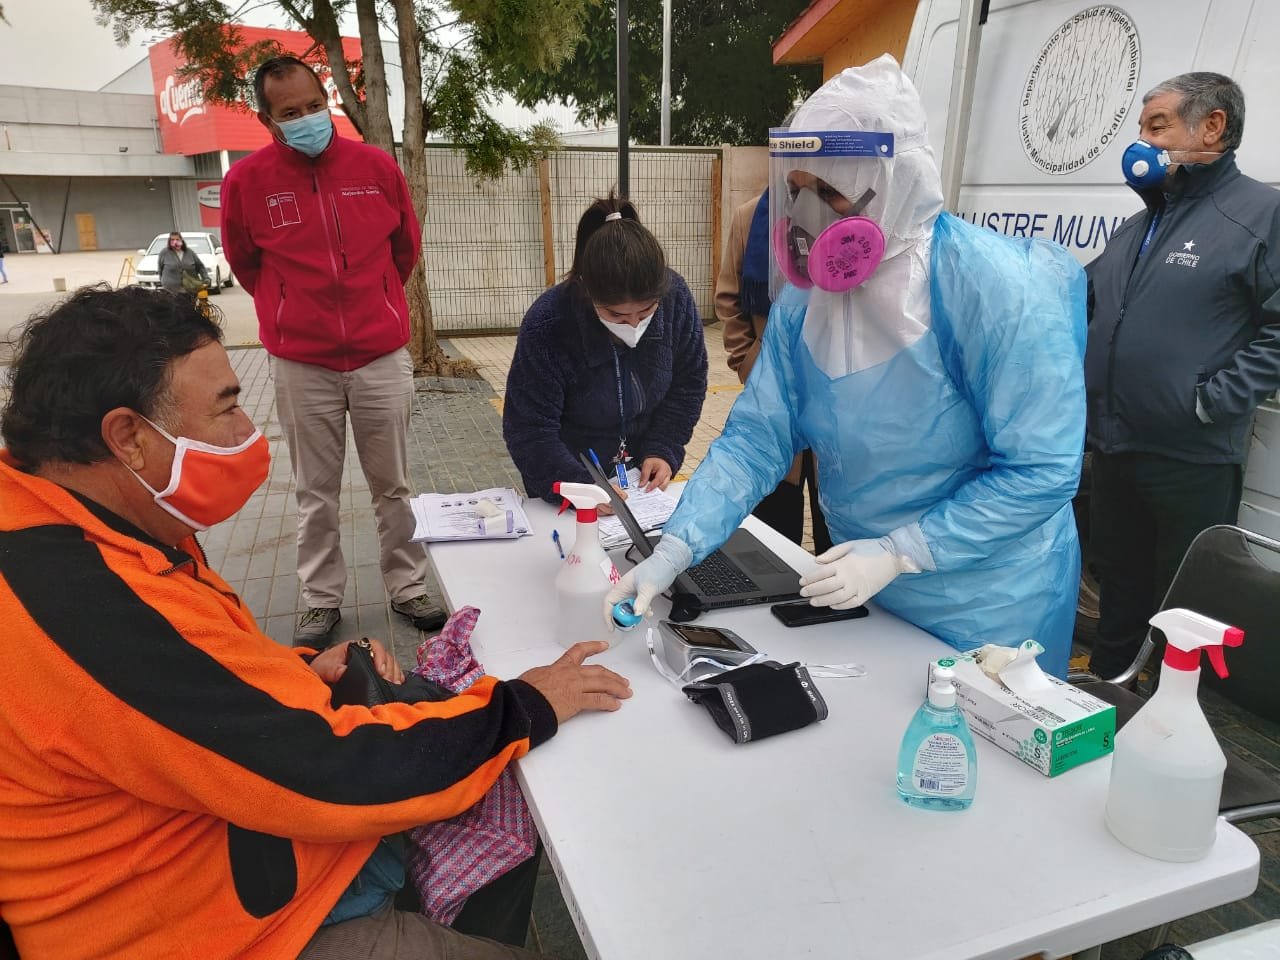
<point x="56" y="43"/>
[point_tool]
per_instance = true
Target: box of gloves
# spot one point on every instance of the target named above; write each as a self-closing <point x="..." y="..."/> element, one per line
<point x="1045" y="722"/>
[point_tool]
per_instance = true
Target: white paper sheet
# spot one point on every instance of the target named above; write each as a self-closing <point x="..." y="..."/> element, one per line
<point x="651" y="510"/>
<point x="461" y="516"/>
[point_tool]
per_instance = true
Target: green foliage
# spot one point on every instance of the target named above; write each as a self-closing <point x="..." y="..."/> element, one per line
<point x="458" y="109"/>
<point x="532" y="35"/>
<point x="457" y="89"/>
<point x="724" y="86"/>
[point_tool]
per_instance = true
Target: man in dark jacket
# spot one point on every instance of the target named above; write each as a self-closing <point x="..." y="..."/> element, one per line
<point x="1184" y="343"/>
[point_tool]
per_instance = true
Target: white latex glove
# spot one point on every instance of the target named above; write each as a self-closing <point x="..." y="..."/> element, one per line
<point x="651" y="576"/>
<point x="851" y="573"/>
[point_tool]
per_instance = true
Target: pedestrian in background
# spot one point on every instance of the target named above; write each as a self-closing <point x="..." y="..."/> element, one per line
<point x="612" y="360"/>
<point x="1173" y="388"/>
<point x="321" y="231"/>
<point x="177" y="263"/>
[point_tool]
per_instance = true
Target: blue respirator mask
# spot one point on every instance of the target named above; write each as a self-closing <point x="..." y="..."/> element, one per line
<point x="308" y="135"/>
<point x="1144" y="165"/>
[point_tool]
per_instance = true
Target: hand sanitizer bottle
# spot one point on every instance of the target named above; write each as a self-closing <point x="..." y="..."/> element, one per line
<point x="937" y="764"/>
<point x="1167" y="769"/>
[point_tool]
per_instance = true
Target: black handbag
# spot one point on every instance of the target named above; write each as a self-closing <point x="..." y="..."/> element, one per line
<point x="360" y="685"/>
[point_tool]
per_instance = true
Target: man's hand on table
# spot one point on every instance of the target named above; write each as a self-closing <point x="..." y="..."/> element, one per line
<point x="570" y="687"/>
<point x="332" y="663"/>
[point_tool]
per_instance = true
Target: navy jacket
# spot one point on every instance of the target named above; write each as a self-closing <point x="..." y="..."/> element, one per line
<point x="562" y="391"/>
<point x="1198" y="314"/>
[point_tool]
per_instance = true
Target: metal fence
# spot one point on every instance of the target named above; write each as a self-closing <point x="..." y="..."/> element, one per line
<point x="491" y="246"/>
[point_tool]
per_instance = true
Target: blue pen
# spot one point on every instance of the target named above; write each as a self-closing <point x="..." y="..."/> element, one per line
<point x="555" y="537"/>
<point x="595" y="459"/>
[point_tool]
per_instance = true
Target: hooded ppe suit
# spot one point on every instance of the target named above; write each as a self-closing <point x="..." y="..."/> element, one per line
<point x="943" y="398"/>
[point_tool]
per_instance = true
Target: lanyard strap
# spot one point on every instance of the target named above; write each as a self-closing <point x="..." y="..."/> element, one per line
<point x="1155" y="219"/>
<point x="622" y="408"/>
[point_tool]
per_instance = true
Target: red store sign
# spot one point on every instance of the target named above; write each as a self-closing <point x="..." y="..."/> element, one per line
<point x="189" y="125"/>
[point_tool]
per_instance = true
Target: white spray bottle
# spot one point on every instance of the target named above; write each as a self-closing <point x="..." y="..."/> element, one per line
<point x="1166" y="773"/>
<point x="587" y="573"/>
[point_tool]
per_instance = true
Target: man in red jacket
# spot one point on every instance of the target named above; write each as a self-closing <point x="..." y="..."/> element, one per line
<point x="321" y="231"/>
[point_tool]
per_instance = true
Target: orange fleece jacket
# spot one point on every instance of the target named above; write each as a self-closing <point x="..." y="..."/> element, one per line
<point x="175" y="784"/>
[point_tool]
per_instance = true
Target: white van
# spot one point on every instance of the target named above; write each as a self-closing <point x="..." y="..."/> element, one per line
<point x="1057" y="95"/>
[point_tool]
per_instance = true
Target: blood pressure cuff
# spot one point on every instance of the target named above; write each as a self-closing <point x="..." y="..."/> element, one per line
<point x="760" y="699"/>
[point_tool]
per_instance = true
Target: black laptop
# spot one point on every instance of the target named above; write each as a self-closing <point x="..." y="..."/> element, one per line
<point x="741" y="573"/>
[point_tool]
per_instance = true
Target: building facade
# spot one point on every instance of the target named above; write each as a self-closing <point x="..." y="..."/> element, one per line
<point x="111" y="169"/>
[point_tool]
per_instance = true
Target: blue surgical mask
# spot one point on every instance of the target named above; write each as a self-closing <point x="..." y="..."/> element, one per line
<point x="308" y="135"/>
<point x="1144" y="165"/>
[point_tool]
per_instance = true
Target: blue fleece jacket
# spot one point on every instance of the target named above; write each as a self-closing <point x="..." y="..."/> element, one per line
<point x="562" y="391"/>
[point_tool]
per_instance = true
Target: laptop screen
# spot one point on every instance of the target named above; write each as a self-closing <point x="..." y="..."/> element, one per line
<point x="620" y="509"/>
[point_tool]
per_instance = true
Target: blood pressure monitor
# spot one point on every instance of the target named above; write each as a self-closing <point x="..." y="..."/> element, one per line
<point x="682" y="643"/>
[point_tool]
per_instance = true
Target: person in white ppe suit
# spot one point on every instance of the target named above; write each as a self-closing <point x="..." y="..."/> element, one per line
<point x="935" y="369"/>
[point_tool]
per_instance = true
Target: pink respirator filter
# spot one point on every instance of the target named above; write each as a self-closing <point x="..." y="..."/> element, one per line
<point x="843" y="256"/>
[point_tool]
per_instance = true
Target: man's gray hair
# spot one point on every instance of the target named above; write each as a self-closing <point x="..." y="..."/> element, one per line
<point x="1202" y="93"/>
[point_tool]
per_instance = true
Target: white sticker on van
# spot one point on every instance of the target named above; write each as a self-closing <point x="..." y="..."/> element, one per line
<point x="1079" y="89"/>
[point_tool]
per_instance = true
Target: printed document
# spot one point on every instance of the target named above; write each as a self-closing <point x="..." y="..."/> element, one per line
<point x="493" y="514"/>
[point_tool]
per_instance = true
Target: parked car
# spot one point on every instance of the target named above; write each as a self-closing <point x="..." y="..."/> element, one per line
<point x="206" y="246"/>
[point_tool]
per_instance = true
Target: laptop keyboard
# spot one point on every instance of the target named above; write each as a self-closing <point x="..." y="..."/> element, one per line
<point x="716" y="576"/>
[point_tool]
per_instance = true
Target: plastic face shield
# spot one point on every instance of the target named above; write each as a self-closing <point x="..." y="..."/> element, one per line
<point x="823" y="187"/>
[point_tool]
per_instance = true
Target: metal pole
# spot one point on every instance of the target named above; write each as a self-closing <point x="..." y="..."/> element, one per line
<point x="968" y="38"/>
<point x="62" y="229"/>
<point x="666" y="73"/>
<point x="624" y="179"/>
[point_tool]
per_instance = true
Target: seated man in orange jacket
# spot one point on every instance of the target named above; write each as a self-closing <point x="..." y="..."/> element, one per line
<point x="174" y="782"/>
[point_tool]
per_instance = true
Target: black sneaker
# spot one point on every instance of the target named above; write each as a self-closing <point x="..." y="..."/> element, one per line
<point x="422" y="611"/>
<point x="314" y="627"/>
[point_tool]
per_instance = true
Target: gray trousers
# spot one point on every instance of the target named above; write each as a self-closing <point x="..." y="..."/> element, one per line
<point x="313" y="404"/>
<point x="396" y="935"/>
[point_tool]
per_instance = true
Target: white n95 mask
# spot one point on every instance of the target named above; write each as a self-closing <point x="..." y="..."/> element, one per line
<point x="625" y="332"/>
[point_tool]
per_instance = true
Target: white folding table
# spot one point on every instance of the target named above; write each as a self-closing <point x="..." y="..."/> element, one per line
<point x="669" y="841"/>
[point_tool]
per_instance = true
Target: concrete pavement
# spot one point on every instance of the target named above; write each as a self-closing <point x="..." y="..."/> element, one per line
<point x="32" y="289"/>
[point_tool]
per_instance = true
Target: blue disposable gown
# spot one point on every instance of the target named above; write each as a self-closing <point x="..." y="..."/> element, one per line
<point x="974" y="432"/>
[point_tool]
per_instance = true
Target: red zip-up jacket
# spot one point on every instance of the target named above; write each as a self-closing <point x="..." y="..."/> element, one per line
<point x="325" y="247"/>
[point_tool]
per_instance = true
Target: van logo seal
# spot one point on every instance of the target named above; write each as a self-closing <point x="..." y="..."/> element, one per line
<point x="1079" y="89"/>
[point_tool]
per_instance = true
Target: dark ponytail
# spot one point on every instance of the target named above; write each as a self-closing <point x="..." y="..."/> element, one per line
<point x="618" y="260"/>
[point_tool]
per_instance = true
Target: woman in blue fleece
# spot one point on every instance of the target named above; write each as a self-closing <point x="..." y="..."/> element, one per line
<point x="611" y="360"/>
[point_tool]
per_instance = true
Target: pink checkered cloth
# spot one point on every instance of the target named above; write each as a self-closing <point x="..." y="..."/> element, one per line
<point x="452" y="859"/>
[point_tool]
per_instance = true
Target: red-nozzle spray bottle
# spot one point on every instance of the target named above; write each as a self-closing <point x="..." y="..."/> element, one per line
<point x="587" y="573"/>
<point x="1166" y="773"/>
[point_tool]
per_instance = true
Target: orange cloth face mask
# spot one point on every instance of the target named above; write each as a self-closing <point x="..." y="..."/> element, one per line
<point x="208" y="483"/>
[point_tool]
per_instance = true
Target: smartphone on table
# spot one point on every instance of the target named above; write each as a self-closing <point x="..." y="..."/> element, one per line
<point x="804" y="614"/>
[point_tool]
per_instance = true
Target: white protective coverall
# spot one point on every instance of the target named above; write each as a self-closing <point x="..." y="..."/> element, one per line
<point x="943" y="398"/>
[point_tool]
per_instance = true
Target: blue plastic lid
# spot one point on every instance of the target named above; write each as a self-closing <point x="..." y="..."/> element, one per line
<point x="624" y="615"/>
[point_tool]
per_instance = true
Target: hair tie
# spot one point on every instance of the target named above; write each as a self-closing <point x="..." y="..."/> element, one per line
<point x="613" y="216"/>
